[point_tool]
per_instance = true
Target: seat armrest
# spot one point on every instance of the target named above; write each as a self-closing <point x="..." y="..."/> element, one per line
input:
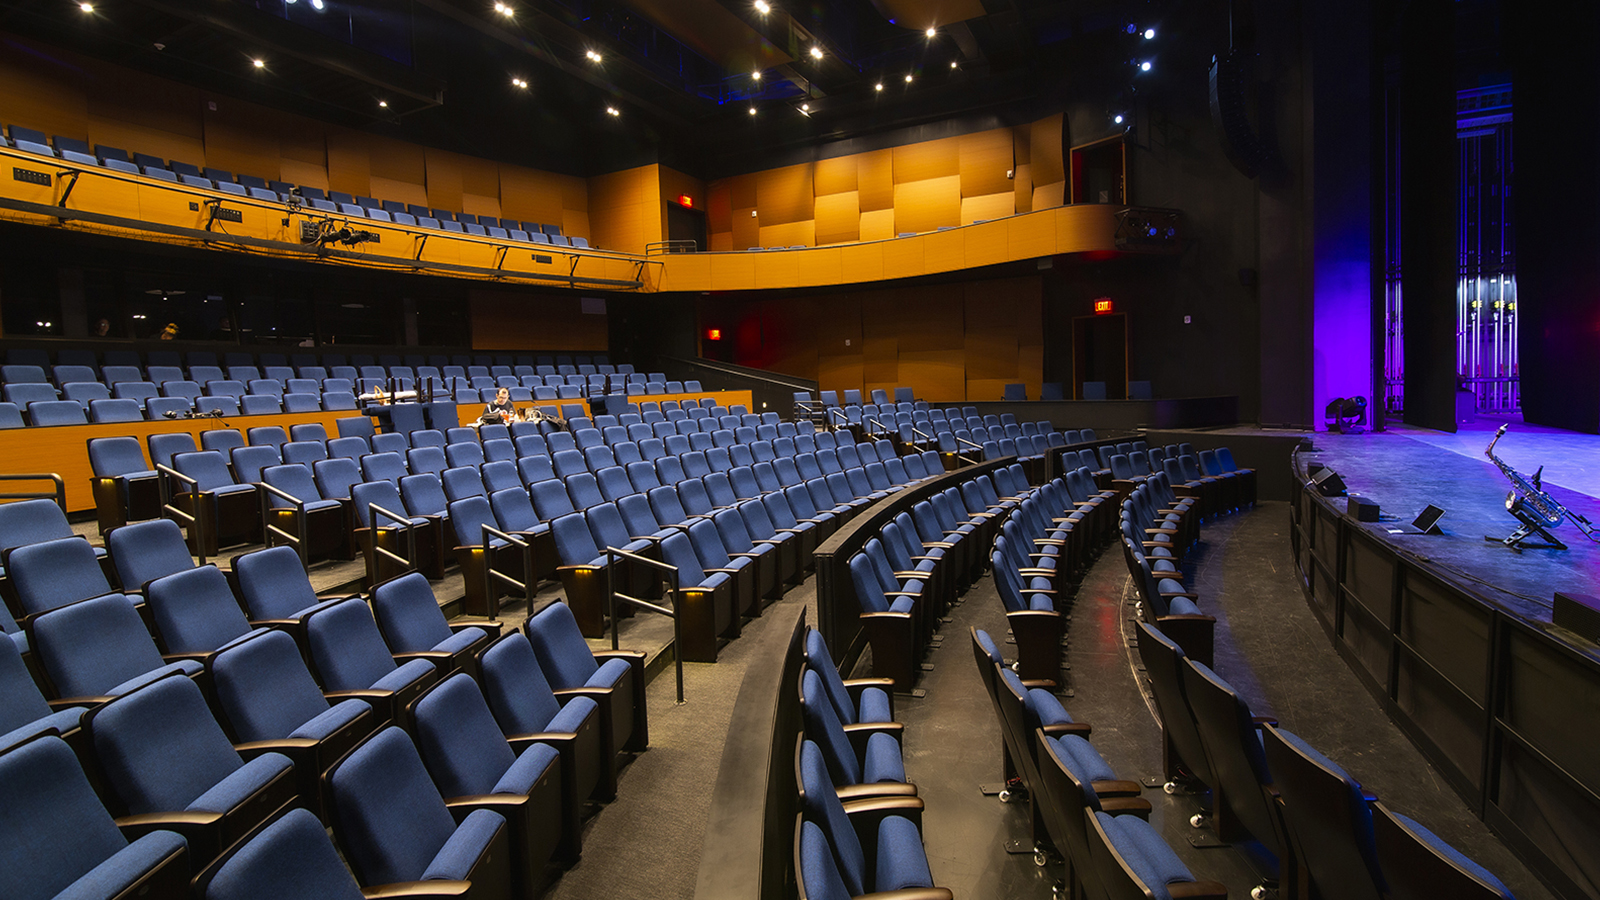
<point x="851" y="792"/>
<point x="1197" y="890"/>
<point x="1081" y="729"/>
<point x="418" y="890"/>
<point x="1117" y="788"/>
<point x="1117" y="806"/>
<point x="1259" y="721"/>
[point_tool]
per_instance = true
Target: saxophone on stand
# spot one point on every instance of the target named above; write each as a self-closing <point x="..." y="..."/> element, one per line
<point x="1532" y="506"/>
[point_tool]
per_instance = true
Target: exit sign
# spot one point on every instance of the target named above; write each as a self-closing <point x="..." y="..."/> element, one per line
<point x="1103" y="306"/>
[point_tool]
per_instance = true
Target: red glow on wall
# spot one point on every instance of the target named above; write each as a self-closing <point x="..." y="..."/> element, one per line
<point x="686" y="201"/>
<point x="1102" y="307"/>
<point x="713" y="334"/>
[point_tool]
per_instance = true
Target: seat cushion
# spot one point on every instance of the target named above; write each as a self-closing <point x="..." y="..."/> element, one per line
<point x="186" y="666"/>
<point x="454" y="860"/>
<point x="526" y="771"/>
<point x="874" y="706"/>
<point x="461" y="640"/>
<point x="883" y="762"/>
<point x="246" y="780"/>
<point x="329" y="722"/>
<point x="609" y="674"/>
<point x="114" y="875"/>
<point x="902" y="862"/>
<point x="404" y="675"/>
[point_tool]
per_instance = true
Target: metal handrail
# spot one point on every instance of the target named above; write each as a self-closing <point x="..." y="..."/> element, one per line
<point x="406" y="525"/>
<point x="678" y="246"/>
<point x="190" y="522"/>
<point x="59" y="495"/>
<point x="669" y="574"/>
<point x="299" y="539"/>
<point x="490" y="573"/>
<point x="971" y="462"/>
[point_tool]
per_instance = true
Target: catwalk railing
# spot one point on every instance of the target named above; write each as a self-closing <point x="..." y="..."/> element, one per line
<point x="1506" y="708"/>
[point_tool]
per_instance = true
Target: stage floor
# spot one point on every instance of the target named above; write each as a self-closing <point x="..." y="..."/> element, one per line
<point x="1406" y="468"/>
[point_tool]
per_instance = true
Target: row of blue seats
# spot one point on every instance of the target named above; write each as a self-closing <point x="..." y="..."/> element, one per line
<point x="284" y="376"/>
<point x="520" y="363"/>
<point x="78" y="151"/>
<point x="298" y="727"/>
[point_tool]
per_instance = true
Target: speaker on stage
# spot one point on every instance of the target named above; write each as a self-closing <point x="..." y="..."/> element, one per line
<point x="1328" y="483"/>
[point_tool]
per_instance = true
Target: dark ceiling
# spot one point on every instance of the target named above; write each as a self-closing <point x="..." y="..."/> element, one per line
<point x="678" y="72"/>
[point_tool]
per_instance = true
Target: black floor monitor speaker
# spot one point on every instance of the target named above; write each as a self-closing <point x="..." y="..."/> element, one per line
<point x="1328" y="483"/>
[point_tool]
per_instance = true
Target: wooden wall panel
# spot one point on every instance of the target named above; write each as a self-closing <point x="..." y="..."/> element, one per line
<point x="932" y="319"/>
<point x="985" y="158"/>
<point x="444" y="179"/>
<point x="1048" y="195"/>
<point x="403" y="191"/>
<point x="927" y="159"/>
<point x="877" y="224"/>
<point x="743" y="191"/>
<point x="835" y="176"/>
<point x="481" y="205"/>
<point x="480" y="176"/>
<point x="43" y="90"/>
<point x="1023" y="194"/>
<point x="988" y="206"/>
<point x="623" y="209"/>
<point x="309" y="174"/>
<point x="349" y="162"/>
<point x="880" y="363"/>
<point x="722" y="241"/>
<point x="746" y="229"/>
<point x="875" y="181"/>
<point x="838" y="217"/>
<point x="785" y="195"/>
<point x="719" y="208"/>
<point x="927" y="205"/>
<point x="309" y="145"/>
<point x="936" y="375"/>
<point x="396" y="160"/>
<point x="242" y="137"/>
<point x="529" y="195"/>
<point x="793" y="234"/>
<point x="1045" y="153"/>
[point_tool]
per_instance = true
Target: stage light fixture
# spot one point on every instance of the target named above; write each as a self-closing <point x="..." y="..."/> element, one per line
<point x="504" y="9"/>
<point x="318" y="5"/>
<point x="1117" y="118"/>
<point x="908" y="78"/>
<point x="752" y="110"/>
<point x="86" y="7"/>
<point x="518" y="82"/>
<point x="762" y="7"/>
<point x="756" y="74"/>
<point x="932" y="32"/>
<point x="953" y="64"/>
<point x="383" y="104"/>
<point x="259" y="63"/>
<point x="612" y="110"/>
<point x="1149" y="34"/>
<point x="593" y="56"/>
<point x="816" y="51"/>
<point x="878" y="86"/>
<point x="1145" y="66"/>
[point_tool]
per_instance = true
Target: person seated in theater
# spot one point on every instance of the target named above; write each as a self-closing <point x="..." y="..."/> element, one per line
<point x="501" y="409"/>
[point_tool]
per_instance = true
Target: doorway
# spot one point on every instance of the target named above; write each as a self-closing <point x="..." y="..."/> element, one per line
<point x="1100" y="354"/>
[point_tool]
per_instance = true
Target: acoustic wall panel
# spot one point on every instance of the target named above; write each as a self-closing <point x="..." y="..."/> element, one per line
<point x="985" y="158"/>
<point x="875" y="181"/>
<point x="444" y="179"/>
<point x="877" y="224"/>
<point x="927" y="159"/>
<point x="402" y="191"/>
<point x="928" y="204"/>
<point x="1045" y="153"/>
<point x="746" y="229"/>
<point x="835" y="176"/>
<point x="793" y="234"/>
<point x="1047" y="195"/>
<point x="396" y="160"/>
<point x="987" y="207"/>
<point x="838" y="216"/>
<point x="529" y="195"/>
<point x="785" y="195"/>
<point x="480" y="205"/>
<point x="349" y="162"/>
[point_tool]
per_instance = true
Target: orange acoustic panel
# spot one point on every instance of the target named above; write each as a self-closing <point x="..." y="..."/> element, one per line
<point x="349" y="164"/>
<point x="397" y="160"/>
<point x="529" y="195"/>
<point x="401" y="191"/>
<point x="877" y="224"/>
<point x="239" y="137"/>
<point x="834" y="176"/>
<point x="722" y="240"/>
<point x="746" y="229"/>
<point x="478" y="205"/>
<point x="1045" y="153"/>
<point x="880" y="361"/>
<point x="1023" y="194"/>
<point x="838" y="217"/>
<point x="875" y="181"/>
<point x="1047" y="195"/>
<point x="793" y="234"/>
<point x="988" y="207"/>
<point x="719" y="207"/>
<point x="743" y="190"/>
<point x="444" y="179"/>
<point x="935" y="375"/>
<point x="927" y="205"/>
<point x="985" y="159"/>
<point x="784" y="195"/>
<point x="480" y="176"/>
<point x="927" y="159"/>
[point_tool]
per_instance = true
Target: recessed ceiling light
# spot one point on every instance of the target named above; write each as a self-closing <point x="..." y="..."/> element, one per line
<point x="816" y="52"/>
<point x="805" y="107"/>
<point x="908" y="78"/>
<point x="756" y="74"/>
<point x="932" y="32"/>
<point x="763" y="7"/>
<point x="752" y="110"/>
<point x="1117" y="118"/>
<point x="1149" y="34"/>
<point x="86" y="7"/>
<point x="953" y="64"/>
<point x="593" y="56"/>
<point x="259" y="63"/>
<point x="878" y="86"/>
<point x="504" y="9"/>
<point x="613" y="111"/>
<point x="1145" y="66"/>
<point x="383" y="104"/>
<point x="518" y="82"/>
<point x="318" y="5"/>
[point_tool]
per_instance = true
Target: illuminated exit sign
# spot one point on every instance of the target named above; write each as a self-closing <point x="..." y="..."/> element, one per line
<point x="1102" y="306"/>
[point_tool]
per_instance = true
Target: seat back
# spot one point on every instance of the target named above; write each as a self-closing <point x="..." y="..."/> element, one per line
<point x="1327" y="813"/>
<point x="134" y="736"/>
<point x="387" y="813"/>
<point x="195" y="610"/>
<point x="346" y="647"/>
<point x="563" y="655"/>
<point x="408" y="615"/>
<point x="273" y="583"/>
<point x="1238" y="762"/>
<point x="145" y="551"/>
<point x="1164" y="663"/>
<point x="93" y="645"/>
<point x="1418" y="865"/>
<point x="460" y="742"/>
<point x="291" y="857"/>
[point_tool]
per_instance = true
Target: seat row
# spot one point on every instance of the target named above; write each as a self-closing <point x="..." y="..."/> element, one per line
<point x="472" y="728"/>
<point x="128" y="365"/>
<point x="78" y="151"/>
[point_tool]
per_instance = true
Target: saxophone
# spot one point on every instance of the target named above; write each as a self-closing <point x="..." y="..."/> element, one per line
<point x="1528" y="491"/>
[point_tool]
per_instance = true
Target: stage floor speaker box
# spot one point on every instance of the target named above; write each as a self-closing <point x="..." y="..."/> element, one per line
<point x="1362" y="509"/>
<point x="1579" y="613"/>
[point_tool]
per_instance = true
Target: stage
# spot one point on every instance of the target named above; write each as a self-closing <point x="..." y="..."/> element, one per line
<point x="1453" y="635"/>
<point x="1407" y="468"/>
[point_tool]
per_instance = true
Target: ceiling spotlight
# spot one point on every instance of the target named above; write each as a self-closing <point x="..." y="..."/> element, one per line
<point x="612" y="110"/>
<point x="878" y="86"/>
<point x="816" y="52"/>
<point x="518" y="82"/>
<point x="805" y="107"/>
<point x="259" y="63"/>
<point x="504" y="9"/>
<point x="1145" y="66"/>
<point x="383" y="104"/>
<point x="752" y="110"/>
<point x="953" y="64"/>
<point x="932" y="32"/>
<point x="318" y="5"/>
<point x="908" y="78"/>
<point x="763" y="7"/>
<point x="86" y="7"/>
<point x="756" y="74"/>
<point x="1117" y="118"/>
<point x="1149" y="34"/>
<point x="593" y="56"/>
